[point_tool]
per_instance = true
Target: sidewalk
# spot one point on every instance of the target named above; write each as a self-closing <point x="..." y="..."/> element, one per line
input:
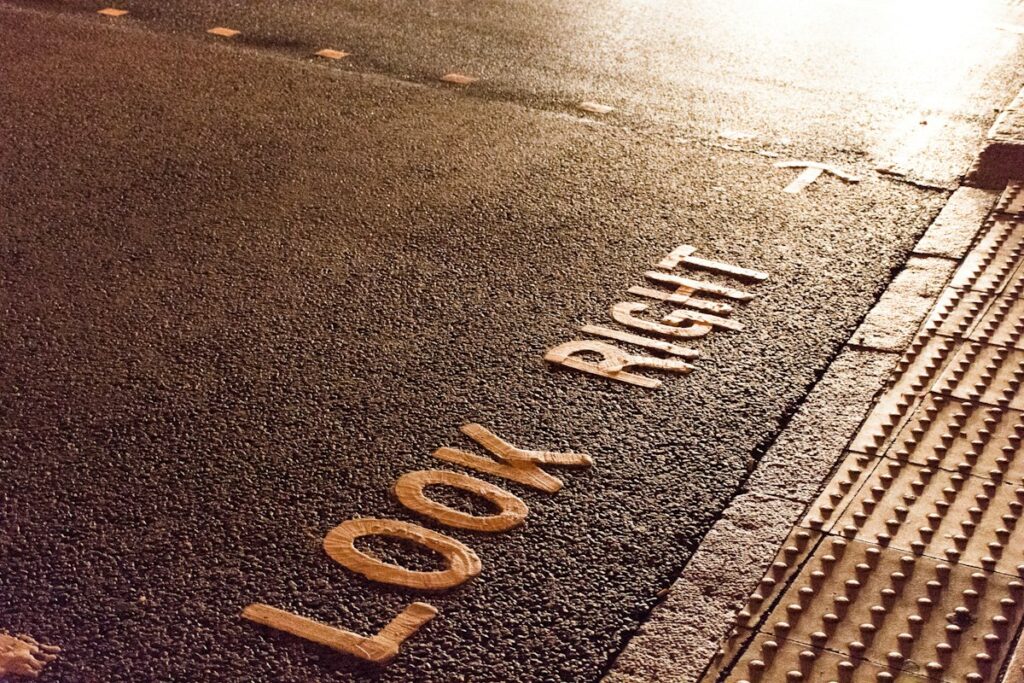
<point x="909" y="562"/>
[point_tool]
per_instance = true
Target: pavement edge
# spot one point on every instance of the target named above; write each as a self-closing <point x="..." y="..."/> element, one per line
<point x="759" y="537"/>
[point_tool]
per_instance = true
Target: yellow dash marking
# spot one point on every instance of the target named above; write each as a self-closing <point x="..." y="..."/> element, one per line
<point x="223" y="32"/>
<point x="595" y="107"/>
<point x="459" y="79"/>
<point x="111" y="12"/>
<point x="328" y="53"/>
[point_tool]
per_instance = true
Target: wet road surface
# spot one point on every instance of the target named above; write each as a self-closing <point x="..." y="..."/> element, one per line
<point x="244" y="292"/>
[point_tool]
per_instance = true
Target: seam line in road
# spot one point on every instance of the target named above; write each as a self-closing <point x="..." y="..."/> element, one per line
<point x="556" y="107"/>
<point x="708" y="668"/>
<point x="953" y="375"/>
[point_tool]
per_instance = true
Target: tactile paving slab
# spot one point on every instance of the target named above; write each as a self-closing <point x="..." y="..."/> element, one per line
<point x="1012" y="200"/>
<point x="823" y="514"/>
<point x="1003" y="323"/>
<point x="957" y="312"/>
<point x="901" y="611"/>
<point x="919" y="571"/>
<point x="794" y="551"/>
<point x="992" y="263"/>
<point x="768" y="659"/>
<point x="947" y="515"/>
<point x="800" y="543"/>
<point x="985" y="373"/>
<point x="920" y="366"/>
<point x="960" y="436"/>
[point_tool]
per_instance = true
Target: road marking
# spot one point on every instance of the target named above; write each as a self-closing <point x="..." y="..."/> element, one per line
<point x="623" y="311"/>
<point x="614" y="362"/>
<point x="462" y="563"/>
<point x="513" y="463"/>
<point x="223" y="32"/>
<point x="682" y="295"/>
<point x="328" y="53"/>
<point x="811" y="171"/>
<point x="378" y="649"/>
<point x="409" y="490"/>
<point x="516" y="464"/>
<point x="595" y="107"/>
<point x="697" y="285"/>
<point x="647" y="342"/>
<point x="459" y="79"/>
<point x="112" y="12"/>
<point x="680" y="323"/>
<point x="23" y="655"/>
<point x="806" y="177"/>
<point x="684" y="254"/>
<point x="681" y="315"/>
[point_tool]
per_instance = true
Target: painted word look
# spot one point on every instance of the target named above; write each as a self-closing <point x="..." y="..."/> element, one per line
<point x="461" y="563"/>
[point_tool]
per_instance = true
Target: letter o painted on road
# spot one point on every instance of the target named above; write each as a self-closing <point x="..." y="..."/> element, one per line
<point x="409" y="491"/>
<point x="463" y="563"/>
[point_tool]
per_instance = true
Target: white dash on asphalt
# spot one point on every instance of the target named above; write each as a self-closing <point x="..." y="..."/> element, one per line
<point x="223" y="32"/>
<point x="112" y="12"/>
<point x="328" y="53"/>
<point x="595" y="107"/>
<point x="459" y="79"/>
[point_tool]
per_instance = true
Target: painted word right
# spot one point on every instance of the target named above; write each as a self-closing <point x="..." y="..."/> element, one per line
<point x="699" y="318"/>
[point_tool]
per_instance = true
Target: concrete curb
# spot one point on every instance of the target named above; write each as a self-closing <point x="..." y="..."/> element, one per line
<point x="682" y="639"/>
<point x="1003" y="155"/>
<point x="684" y="632"/>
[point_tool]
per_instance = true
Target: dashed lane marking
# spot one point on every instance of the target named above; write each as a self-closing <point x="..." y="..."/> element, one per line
<point x="112" y="12"/>
<point x="223" y="32"/>
<point x="595" y="107"/>
<point x="458" y="79"/>
<point x="328" y="53"/>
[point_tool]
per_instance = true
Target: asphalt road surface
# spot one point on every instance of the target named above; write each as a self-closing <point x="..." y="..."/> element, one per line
<point x="244" y="291"/>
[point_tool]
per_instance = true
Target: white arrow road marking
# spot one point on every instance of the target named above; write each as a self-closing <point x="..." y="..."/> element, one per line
<point x="812" y="169"/>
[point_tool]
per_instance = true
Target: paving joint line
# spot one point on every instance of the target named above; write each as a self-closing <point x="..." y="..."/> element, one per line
<point x="886" y="454"/>
<point x="517" y="98"/>
<point x="741" y="489"/>
<point x="943" y="247"/>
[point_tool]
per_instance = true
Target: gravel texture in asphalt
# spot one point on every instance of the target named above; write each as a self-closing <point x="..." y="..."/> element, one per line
<point x="242" y="294"/>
